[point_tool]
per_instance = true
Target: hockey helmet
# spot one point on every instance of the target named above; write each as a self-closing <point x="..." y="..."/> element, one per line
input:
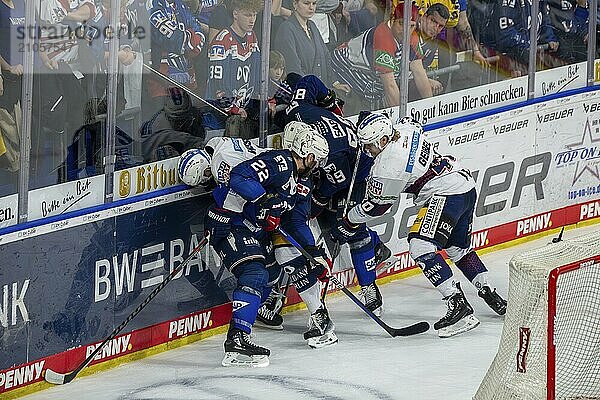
<point x="373" y="127"/>
<point x="192" y="167"/>
<point x="303" y="140"/>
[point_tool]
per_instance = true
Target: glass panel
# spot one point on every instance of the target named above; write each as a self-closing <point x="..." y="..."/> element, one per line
<point x="468" y="47"/>
<point x="562" y="46"/>
<point x="69" y="106"/>
<point x="12" y="21"/>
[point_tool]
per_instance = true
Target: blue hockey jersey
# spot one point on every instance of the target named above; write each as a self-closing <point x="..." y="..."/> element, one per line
<point x="270" y="173"/>
<point x="511" y="22"/>
<point x="343" y="146"/>
<point x="234" y="69"/>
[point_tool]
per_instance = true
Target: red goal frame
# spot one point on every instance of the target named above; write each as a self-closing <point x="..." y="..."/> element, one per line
<point x="551" y="350"/>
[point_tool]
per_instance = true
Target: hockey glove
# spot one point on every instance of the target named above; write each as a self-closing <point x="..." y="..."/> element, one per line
<point x="323" y="266"/>
<point x="270" y="210"/>
<point x="344" y="230"/>
<point x="318" y="203"/>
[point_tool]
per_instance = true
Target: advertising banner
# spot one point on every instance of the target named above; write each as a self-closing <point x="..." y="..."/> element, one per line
<point x="69" y="196"/>
<point x="145" y="178"/>
<point x="9" y="210"/>
<point x="72" y="286"/>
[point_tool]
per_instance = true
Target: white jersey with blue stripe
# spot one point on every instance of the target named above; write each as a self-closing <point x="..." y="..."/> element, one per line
<point x="229" y="152"/>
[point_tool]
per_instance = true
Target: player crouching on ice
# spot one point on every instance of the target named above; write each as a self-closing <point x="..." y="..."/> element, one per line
<point x="406" y="163"/>
<point x="248" y="209"/>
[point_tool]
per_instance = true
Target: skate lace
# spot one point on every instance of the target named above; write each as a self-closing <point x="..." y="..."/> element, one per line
<point x="266" y="312"/>
<point x="369" y="294"/>
<point x="318" y="320"/>
<point x="248" y="342"/>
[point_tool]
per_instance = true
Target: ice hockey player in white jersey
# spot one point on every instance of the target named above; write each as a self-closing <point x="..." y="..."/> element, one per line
<point x="406" y="163"/>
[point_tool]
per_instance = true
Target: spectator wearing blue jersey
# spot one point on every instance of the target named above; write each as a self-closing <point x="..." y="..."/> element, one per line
<point x="569" y="20"/>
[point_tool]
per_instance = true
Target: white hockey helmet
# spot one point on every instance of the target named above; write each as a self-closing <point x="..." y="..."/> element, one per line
<point x="192" y="167"/>
<point x="409" y="125"/>
<point x="303" y="140"/>
<point x="374" y="127"/>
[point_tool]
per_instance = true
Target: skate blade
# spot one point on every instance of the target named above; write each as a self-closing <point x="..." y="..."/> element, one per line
<point x="266" y="326"/>
<point x="232" y="359"/>
<point x="321" y="341"/>
<point x="466" y="324"/>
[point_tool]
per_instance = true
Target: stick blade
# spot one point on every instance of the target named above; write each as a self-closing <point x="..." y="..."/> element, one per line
<point x="415" y="329"/>
<point x="54" y="377"/>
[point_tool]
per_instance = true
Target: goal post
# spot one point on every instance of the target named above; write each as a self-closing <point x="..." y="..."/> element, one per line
<point x="550" y="344"/>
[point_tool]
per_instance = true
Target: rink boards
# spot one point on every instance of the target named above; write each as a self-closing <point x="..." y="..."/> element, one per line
<point x="66" y="283"/>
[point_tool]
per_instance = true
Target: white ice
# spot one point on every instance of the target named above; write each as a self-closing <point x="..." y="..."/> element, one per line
<point x="366" y="364"/>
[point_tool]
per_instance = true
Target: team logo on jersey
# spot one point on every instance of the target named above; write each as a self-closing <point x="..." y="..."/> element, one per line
<point x="223" y="172"/>
<point x="217" y="51"/>
<point x="386" y="60"/>
<point x="374" y="187"/>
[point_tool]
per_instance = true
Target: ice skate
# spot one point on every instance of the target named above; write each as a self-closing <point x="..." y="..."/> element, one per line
<point x="320" y="329"/>
<point x="268" y="314"/>
<point x="493" y="299"/>
<point x="384" y="258"/>
<point x="371" y="298"/>
<point x="459" y="318"/>
<point x="240" y="351"/>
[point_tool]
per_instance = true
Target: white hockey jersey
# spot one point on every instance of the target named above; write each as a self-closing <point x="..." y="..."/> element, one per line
<point x="410" y="165"/>
<point x="229" y="152"/>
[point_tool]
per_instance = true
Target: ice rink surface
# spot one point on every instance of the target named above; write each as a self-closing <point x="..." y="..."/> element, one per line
<point x="366" y="364"/>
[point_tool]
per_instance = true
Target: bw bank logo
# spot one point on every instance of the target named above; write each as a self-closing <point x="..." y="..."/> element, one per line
<point x="584" y="154"/>
<point x="124" y="184"/>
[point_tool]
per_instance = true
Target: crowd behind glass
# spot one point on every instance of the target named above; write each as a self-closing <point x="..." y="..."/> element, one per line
<point x="191" y="69"/>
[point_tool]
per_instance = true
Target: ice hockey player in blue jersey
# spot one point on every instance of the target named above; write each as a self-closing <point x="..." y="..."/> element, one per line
<point x="216" y="160"/>
<point x="246" y="211"/>
<point x="330" y="193"/>
<point x="406" y="163"/>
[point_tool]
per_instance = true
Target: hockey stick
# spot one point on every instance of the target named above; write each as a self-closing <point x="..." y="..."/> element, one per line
<point x="414" y="329"/>
<point x="185" y="89"/>
<point x="60" y="379"/>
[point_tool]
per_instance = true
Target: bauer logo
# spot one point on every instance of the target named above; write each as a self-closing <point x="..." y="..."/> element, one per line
<point x="124" y="184"/>
<point x="524" y="340"/>
<point x="555" y="115"/>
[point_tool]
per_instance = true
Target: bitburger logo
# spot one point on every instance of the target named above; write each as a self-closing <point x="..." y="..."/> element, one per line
<point x="124" y="184"/>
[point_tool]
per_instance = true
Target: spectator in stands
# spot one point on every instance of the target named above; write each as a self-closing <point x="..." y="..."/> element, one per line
<point x="569" y="19"/>
<point x="176" y="38"/>
<point x="301" y="44"/>
<point x="12" y="16"/>
<point x="362" y="16"/>
<point x="429" y="26"/>
<point x="174" y="129"/>
<point x="370" y="64"/>
<point x="280" y="93"/>
<point x="509" y="31"/>
<point x="234" y="70"/>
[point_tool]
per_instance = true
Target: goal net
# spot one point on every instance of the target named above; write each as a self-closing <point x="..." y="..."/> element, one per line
<point x="550" y="345"/>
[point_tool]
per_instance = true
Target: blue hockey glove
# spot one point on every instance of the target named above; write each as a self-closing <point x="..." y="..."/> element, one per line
<point x="344" y="230"/>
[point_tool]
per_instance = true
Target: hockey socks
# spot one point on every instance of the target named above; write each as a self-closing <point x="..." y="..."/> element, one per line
<point x="438" y="272"/>
<point x="473" y="269"/>
<point x="245" y="305"/>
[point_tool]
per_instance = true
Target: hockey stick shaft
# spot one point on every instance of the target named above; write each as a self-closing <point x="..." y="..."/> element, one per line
<point x="185" y="89"/>
<point x="59" y="379"/>
<point x="419" y="327"/>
